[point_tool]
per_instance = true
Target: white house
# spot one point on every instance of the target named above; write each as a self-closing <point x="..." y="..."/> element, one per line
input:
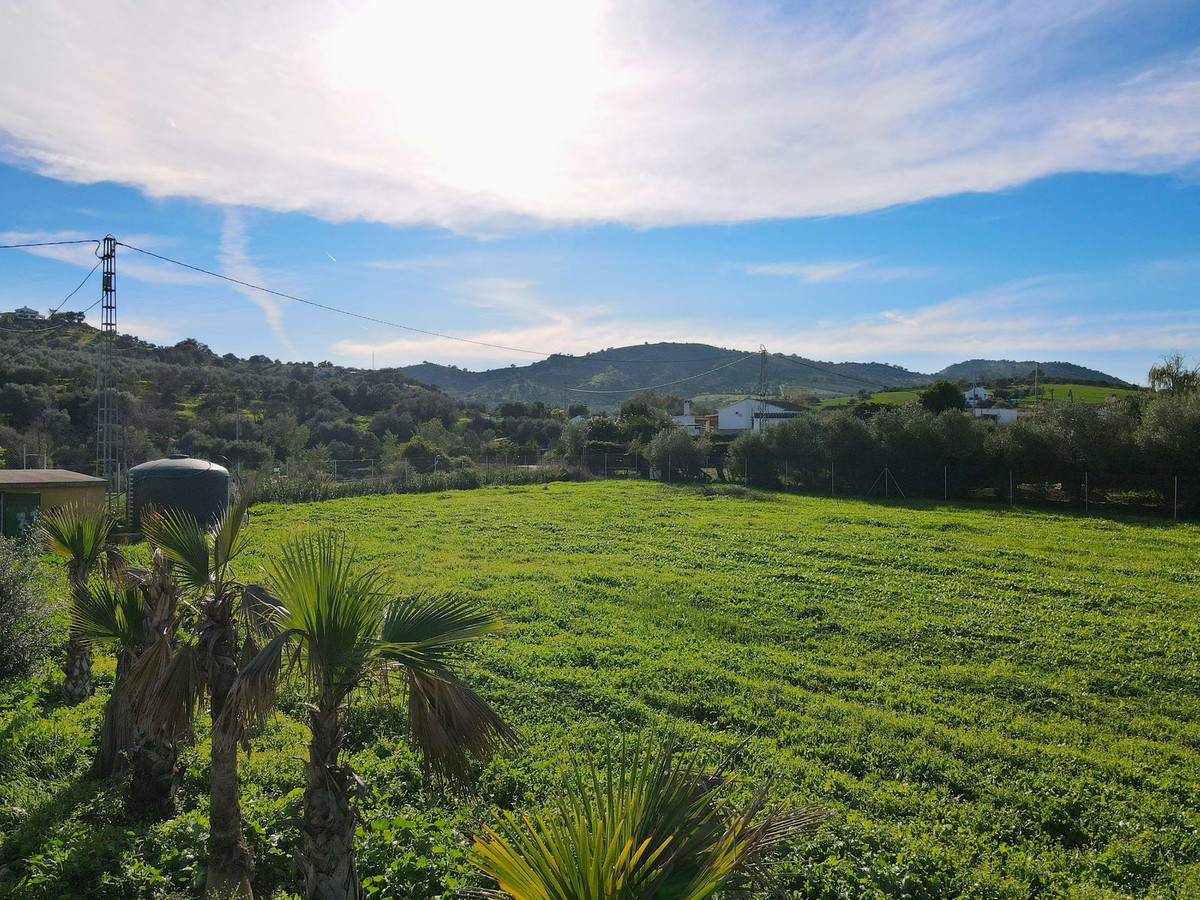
<point x="977" y="395"/>
<point x="26" y="312"/>
<point x="751" y="414"/>
<point x="1000" y="414"/>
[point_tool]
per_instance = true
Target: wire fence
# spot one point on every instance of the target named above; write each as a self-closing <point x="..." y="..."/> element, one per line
<point x="1174" y="496"/>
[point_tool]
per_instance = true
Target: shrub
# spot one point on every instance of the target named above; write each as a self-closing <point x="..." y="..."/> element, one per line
<point x="25" y="629"/>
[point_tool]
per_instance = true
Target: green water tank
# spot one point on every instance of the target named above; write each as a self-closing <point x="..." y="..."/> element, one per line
<point x="182" y="483"/>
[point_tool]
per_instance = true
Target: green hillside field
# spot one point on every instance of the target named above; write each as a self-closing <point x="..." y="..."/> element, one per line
<point x="998" y="703"/>
<point x="1079" y="393"/>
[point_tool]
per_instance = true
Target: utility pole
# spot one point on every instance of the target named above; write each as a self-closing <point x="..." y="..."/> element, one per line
<point x="760" y="405"/>
<point x="107" y="413"/>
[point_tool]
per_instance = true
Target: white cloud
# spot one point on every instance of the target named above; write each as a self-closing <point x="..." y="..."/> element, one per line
<point x="236" y="264"/>
<point x="470" y="113"/>
<point x="835" y="270"/>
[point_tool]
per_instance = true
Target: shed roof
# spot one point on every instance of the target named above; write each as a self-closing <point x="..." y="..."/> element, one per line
<point x="35" y="478"/>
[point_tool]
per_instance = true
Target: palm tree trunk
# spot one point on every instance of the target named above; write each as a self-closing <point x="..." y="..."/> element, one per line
<point x="330" y="871"/>
<point x="230" y="864"/>
<point x="155" y="776"/>
<point x="77" y="672"/>
<point x="117" y="727"/>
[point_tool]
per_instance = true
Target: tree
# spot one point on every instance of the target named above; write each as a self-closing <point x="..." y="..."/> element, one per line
<point x="25" y="629"/>
<point x="648" y="822"/>
<point x="334" y="616"/>
<point x="674" y="453"/>
<point x="1173" y="376"/>
<point x="941" y="396"/>
<point x="208" y="663"/>
<point x="79" y="534"/>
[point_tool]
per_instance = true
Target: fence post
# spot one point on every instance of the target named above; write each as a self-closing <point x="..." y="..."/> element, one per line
<point x="605" y="463"/>
<point x="1176" y="515"/>
<point x="668" y="467"/>
<point x="746" y="470"/>
<point x="831" y="491"/>
<point x="1010" y="488"/>
<point x="945" y="482"/>
<point x="1085" y="492"/>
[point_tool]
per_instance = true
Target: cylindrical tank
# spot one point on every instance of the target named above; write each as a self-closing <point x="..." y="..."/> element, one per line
<point x="193" y="486"/>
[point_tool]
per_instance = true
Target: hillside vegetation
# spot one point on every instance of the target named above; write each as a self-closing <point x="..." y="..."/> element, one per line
<point x="998" y="703"/>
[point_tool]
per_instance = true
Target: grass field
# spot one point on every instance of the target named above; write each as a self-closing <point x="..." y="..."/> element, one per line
<point x="897" y="397"/>
<point x="1077" y="393"/>
<point x="999" y="703"/>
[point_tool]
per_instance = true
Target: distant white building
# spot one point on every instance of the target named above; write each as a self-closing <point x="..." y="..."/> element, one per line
<point x="26" y="312"/>
<point x="1000" y="414"/>
<point x="694" y="424"/>
<point x="977" y="395"/>
<point x="751" y="414"/>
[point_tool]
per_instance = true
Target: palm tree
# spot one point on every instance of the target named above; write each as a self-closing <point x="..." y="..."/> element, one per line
<point x="647" y="823"/>
<point x="335" y="620"/>
<point x="174" y="681"/>
<point x="142" y="648"/>
<point x="80" y="535"/>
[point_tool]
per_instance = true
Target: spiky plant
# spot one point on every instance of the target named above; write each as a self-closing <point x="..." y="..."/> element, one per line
<point x="173" y="681"/>
<point x="79" y="534"/>
<point x="335" y="621"/>
<point x="647" y="823"/>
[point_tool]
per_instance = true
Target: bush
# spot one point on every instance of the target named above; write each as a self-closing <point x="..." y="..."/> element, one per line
<point x="25" y="630"/>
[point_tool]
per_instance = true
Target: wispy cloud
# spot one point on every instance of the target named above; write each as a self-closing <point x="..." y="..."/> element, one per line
<point x="836" y="270"/>
<point x="475" y="115"/>
<point x="235" y="261"/>
<point x="130" y="265"/>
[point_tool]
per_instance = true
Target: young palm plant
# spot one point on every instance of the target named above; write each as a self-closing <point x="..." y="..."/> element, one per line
<point x="173" y="681"/>
<point x="647" y="823"/>
<point x="335" y="621"/>
<point x="79" y="534"/>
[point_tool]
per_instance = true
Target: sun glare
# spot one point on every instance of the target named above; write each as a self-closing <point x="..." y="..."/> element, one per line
<point x="486" y="96"/>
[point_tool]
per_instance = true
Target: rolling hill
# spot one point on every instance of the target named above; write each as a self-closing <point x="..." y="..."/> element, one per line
<point x="603" y="378"/>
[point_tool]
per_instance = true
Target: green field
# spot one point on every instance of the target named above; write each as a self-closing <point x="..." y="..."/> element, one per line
<point x="1078" y="393"/>
<point x="999" y="703"/>
<point x="899" y="398"/>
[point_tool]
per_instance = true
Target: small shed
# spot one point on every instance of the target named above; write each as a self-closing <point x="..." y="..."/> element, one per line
<point x="24" y="493"/>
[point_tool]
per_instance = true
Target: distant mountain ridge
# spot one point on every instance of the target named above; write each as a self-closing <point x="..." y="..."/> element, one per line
<point x="605" y="377"/>
<point x="988" y="369"/>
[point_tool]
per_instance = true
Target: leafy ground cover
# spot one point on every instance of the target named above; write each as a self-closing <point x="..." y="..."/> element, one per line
<point x="999" y="703"/>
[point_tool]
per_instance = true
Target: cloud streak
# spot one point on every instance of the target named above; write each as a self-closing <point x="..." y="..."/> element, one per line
<point x="480" y="115"/>
<point x="235" y="261"/>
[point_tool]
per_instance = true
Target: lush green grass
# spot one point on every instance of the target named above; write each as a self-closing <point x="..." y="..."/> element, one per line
<point x="1077" y="393"/>
<point x="899" y="398"/>
<point x="999" y="703"/>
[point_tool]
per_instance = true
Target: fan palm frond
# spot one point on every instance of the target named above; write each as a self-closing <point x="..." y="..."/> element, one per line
<point x="182" y="540"/>
<point x="450" y="723"/>
<point x="226" y="535"/>
<point x="253" y="694"/>
<point x="423" y="632"/>
<point x="326" y="596"/>
<point x="169" y="694"/>
<point x="76" y="532"/>
<point x="104" y="612"/>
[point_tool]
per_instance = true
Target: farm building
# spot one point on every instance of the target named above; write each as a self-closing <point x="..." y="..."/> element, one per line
<point x="1001" y="414"/>
<point x="695" y="424"/>
<point x="26" y="492"/>
<point x="751" y="414"/>
<point x="977" y="395"/>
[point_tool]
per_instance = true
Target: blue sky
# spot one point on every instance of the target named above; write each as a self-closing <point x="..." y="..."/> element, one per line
<point x="909" y="183"/>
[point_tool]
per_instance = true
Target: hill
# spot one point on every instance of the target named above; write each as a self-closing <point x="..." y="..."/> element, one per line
<point x="990" y="369"/>
<point x="626" y="369"/>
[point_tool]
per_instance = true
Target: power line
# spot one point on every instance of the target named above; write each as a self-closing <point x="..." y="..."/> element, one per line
<point x="450" y="337"/>
<point x="47" y="244"/>
<point x="651" y="387"/>
<point x="831" y="372"/>
<point x="44" y="331"/>
<point x="335" y="309"/>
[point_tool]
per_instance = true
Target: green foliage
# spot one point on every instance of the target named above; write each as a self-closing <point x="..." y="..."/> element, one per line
<point x="941" y="396"/>
<point x="26" y="626"/>
<point x="676" y="455"/>
<point x="1000" y="704"/>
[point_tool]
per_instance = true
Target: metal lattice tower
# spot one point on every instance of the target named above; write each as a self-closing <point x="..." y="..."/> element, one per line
<point x="107" y="413"/>
<point x="760" y="405"/>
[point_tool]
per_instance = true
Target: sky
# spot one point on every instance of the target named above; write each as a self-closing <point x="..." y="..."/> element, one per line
<point x="907" y="182"/>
